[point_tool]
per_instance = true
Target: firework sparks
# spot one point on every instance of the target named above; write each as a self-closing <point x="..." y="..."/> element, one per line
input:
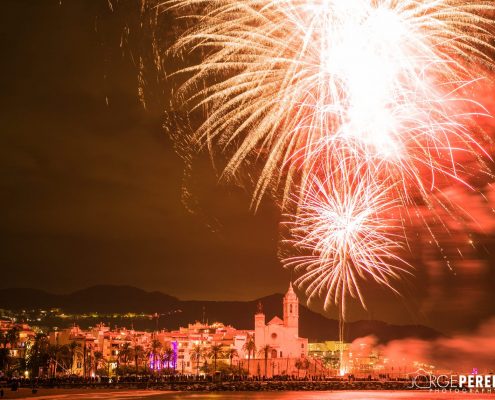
<point x="354" y="107"/>
<point x="290" y="79"/>
<point x="345" y="232"/>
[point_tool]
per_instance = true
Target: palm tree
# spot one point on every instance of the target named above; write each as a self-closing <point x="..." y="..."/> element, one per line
<point x="125" y="354"/>
<point x="38" y="355"/>
<point x="98" y="357"/>
<point x="306" y="366"/>
<point x="168" y="356"/>
<point x="231" y="354"/>
<point x="12" y="337"/>
<point x="301" y="363"/>
<point x="298" y="365"/>
<point x="264" y="351"/>
<point x="206" y="356"/>
<point x="54" y="358"/>
<point x="5" y="359"/>
<point x="155" y="347"/>
<point x="138" y="354"/>
<point x="196" y="352"/>
<point x="215" y="352"/>
<point x="250" y="347"/>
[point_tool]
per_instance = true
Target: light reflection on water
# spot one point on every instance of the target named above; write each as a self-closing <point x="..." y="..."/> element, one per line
<point x="335" y="395"/>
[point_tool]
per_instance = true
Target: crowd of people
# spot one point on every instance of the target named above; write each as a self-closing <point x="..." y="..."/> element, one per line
<point x="155" y="380"/>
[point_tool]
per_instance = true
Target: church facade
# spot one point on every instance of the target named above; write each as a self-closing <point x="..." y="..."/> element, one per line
<point x="282" y="335"/>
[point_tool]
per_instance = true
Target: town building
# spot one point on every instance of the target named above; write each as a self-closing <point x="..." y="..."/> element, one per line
<point x="15" y="337"/>
<point x="271" y="348"/>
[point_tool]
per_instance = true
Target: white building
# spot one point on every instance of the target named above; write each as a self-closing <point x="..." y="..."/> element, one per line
<point x="281" y="335"/>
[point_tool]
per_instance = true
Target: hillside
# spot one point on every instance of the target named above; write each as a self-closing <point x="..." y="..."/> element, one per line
<point x="122" y="299"/>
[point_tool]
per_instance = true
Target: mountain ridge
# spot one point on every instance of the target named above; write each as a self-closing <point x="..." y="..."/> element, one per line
<point x="175" y="312"/>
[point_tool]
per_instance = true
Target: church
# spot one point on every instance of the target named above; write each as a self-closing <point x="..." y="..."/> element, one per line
<point x="281" y="335"/>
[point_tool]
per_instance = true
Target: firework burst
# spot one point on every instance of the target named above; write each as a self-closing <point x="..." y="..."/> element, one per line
<point x="291" y="79"/>
<point x="346" y="231"/>
<point x="354" y="108"/>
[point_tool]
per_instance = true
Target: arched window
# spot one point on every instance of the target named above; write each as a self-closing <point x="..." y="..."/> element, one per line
<point x="290" y="309"/>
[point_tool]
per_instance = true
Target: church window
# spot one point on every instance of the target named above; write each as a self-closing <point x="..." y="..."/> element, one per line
<point x="291" y="308"/>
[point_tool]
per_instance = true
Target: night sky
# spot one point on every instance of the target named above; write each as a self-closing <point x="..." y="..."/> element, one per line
<point x="90" y="187"/>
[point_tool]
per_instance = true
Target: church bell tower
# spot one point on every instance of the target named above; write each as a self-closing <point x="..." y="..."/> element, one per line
<point x="291" y="310"/>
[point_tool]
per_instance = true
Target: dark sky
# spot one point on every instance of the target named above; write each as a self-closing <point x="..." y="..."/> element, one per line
<point x="90" y="192"/>
<point x="90" y="187"/>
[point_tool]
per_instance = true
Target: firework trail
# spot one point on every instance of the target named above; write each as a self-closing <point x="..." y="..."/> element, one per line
<point x="354" y="108"/>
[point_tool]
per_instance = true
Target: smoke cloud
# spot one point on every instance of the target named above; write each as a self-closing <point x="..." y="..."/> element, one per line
<point x="459" y="353"/>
